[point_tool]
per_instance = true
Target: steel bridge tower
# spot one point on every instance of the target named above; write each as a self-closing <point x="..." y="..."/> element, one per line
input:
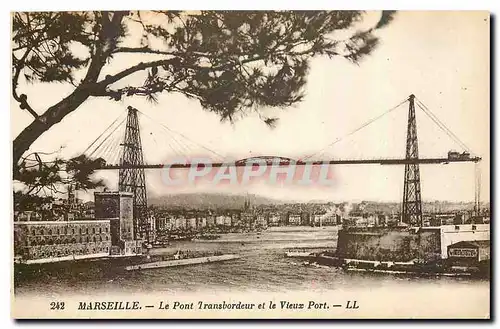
<point x="412" y="201"/>
<point x="132" y="179"/>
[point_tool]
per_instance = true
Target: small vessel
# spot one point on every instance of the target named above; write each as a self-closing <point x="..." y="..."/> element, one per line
<point x="161" y="244"/>
<point x="409" y="271"/>
<point x="207" y="237"/>
<point x="318" y="265"/>
<point x="298" y="253"/>
<point x="413" y="267"/>
<point x="177" y="260"/>
<point x="181" y="237"/>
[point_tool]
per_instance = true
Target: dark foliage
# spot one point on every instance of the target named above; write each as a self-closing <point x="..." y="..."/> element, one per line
<point x="44" y="179"/>
<point x="230" y="61"/>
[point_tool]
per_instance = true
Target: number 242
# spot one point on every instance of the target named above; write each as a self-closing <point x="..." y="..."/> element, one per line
<point x="57" y="305"/>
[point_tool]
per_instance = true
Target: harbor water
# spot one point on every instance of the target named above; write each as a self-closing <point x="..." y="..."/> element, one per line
<point x="262" y="267"/>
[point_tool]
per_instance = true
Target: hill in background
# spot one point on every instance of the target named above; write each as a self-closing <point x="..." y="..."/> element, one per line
<point x="236" y="201"/>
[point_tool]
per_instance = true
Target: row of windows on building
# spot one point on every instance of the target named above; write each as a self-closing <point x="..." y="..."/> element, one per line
<point x="66" y="231"/>
<point x="131" y="250"/>
<point x="39" y="241"/>
<point x="67" y="252"/>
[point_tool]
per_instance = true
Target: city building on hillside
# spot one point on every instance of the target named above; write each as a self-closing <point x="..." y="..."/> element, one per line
<point x="191" y="223"/>
<point x="261" y="220"/>
<point x="27" y="216"/>
<point x="274" y="220"/>
<point x="294" y="219"/>
<point x="316" y="219"/>
<point x="201" y="222"/>
<point x="247" y="220"/>
<point x="211" y="219"/>
<point x="219" y="220"/>
<point x="164" y="223"/>
<point x="179" y="223"/>
<point x="227" y="221"/>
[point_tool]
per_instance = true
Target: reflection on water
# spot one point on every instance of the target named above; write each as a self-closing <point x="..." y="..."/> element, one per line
<point x="262" y="267"/>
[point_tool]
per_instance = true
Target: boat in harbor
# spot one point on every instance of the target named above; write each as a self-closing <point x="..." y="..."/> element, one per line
<point x="415" y="267"/>
<point x="207" y="237"/>
<point x="298" y="253"/>
<point x="179" y="260"/>
<point x="113" y="265"/>
<point x="303" y="252"/>
<point x="161" y="244"/>
<point x="180" y="237"/>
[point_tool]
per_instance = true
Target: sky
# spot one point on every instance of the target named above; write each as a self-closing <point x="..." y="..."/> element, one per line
<point x="441" y="57"/>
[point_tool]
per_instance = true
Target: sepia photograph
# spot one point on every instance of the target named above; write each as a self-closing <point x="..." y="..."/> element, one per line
<point x="286" y="164"/>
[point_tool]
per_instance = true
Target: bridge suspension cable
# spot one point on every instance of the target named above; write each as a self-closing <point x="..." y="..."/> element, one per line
<point x="104" y="131"/>
<point x="180" y="134"/>
<point x="441" y="125"/>
<point x="108" y="144"/>
<point x="369" y="122"/>
<point x="177" y="145"/>
<point x="109" y="147"/>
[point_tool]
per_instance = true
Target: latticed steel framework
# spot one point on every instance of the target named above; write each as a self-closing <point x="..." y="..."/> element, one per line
<point x="412" y="201"/>
<point x="133" y="179"/>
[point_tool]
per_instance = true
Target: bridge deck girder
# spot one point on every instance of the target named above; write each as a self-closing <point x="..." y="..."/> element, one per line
<point x="300" y="163"/>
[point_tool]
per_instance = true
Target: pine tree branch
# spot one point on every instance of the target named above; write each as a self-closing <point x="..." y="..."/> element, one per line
<point x="143" y="50"/>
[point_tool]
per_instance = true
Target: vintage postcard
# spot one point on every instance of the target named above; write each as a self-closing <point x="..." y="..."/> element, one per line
<point x="250" y="164"/>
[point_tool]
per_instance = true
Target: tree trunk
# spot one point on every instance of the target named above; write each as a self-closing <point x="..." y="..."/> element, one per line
<point x="44" y="122"/>
<point x="109" y="33"/>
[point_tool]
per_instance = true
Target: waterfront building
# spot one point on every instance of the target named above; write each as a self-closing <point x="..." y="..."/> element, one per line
<point x="201" y="222"/>
<point x="236" y="219"/>
<point x="294" y="219"/>
<point x="152" y="225"/>
<point x="179" y="223"/>
<point x="88" y="209"/>
<point x="27" y="216"/>
<point x="219" y="220"/>
<point x="273" y="220"/>
<point x="49" y="241"/>
<point x="110" y="232"/>
<point x="467" y="253"/>
<point x="405" y="243"/>
<point x="163" y="223"/>
<point x="450" y="234"/>
<point x="247" y="220"/>
<point x="117" y="207"/>
<point x="329" y="220"/>
<point x="169" y="223"/>
<point x="211" y="219"/>
<point x="382" y="220"/>
<point x="261" y="220"/>
<point x="191" y="223"/>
